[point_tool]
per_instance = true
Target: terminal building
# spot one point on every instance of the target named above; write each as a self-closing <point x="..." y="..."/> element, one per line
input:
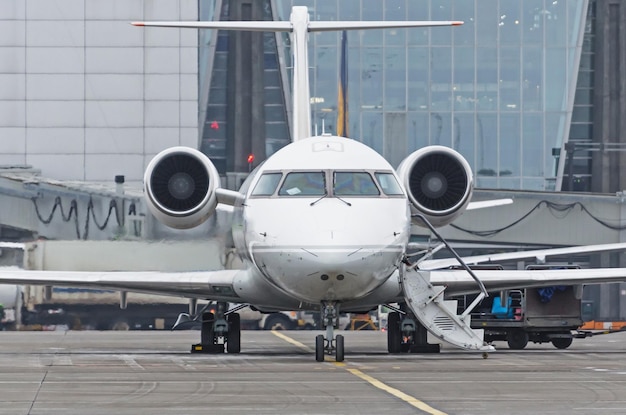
<point x="531" y="92"/>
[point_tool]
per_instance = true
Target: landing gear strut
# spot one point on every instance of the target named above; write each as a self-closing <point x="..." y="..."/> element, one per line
<point x="329" y="344"/>
<point x="219" y="329"/>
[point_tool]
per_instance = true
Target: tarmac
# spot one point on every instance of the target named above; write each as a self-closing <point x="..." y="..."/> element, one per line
<point x="150" y="372"/>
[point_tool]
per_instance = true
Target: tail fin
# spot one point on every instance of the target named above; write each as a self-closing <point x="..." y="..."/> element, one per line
<point x="342" y="96"/>
<point x="299" y="26"/>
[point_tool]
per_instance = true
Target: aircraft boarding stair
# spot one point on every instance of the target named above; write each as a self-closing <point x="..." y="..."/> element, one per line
<point x="439" y="316"/>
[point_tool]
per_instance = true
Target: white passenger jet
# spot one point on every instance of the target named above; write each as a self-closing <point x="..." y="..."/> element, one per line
<point x="324" y="224"/>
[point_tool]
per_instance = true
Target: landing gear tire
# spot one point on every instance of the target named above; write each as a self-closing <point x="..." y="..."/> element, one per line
<point x="319" y="348"/>
<point x="206" y="333"/>
<point x="233" y="344"/>
<point x="339" y="348"/>
<point x="278" y="322"/>
<point x="517" y="339"/>
<point x="394" y="336"/>
<point x="562" y="342"/>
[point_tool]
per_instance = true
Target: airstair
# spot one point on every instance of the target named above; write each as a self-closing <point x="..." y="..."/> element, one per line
<point x="439" y="316"/>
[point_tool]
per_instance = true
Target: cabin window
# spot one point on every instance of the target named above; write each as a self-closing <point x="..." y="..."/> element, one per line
<point x="304" y="184"/>
<point x="389" y="184"/>
<point x="267" y="184"/>
<point x="349" y="183"/>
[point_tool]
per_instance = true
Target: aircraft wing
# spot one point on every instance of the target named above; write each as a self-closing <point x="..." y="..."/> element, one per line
<point x="459" y="282"/>
<point x="540" y="254"/>
<point x="210" y="285"/>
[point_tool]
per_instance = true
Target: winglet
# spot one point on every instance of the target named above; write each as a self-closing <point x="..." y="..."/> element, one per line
<point x="137" y="23"/>
<point x="457" y="23"/>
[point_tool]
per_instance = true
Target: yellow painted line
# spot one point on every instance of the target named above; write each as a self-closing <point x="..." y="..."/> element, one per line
<point x="397" y="393"/>
<point x="292" y="341"/>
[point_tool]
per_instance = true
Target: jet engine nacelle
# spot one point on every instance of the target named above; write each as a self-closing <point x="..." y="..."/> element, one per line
<point x="179" y="185"/>
<point x="439" y="182"/>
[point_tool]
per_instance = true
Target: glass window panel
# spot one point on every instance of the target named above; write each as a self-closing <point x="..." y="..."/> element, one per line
<point x="372" y="130"/>
<point x="463" y="89"/>
<point x="582" y="113"/>
<point x="532" y="85"/>
<point x="464" y="138"/>
<point x="556" y="22"/>
<point x="581" y="131"/>
<point x="441" y="78"/>
<point x="487" y="20"/>
<point x="553" y="131"/>
<point x="389" y="184"/>
<point x="532" y="21"/>
<point x="487" y="144"/>
<point x="486" y="78"/>
<point x="395" y="79"/>
<point x="556" y="79"/>
<point x="464" y="11"/>
<point x="372" y="78"/>
<point x="441" y="128"/>
<point x="395" y="10"/>
<point x="585" y="79"/>
<point x="418" y="78"/>
<point x="510" y="78"/>
<point x="509" y="182"/>
<point x="303" y="184"/>
<point x="274" y="113"/>
<point x="441" y="10"/>
<point x="349" y="9"/>
<point x="417" y="10"/>
<point x="267" y="184"/>
<point x="510" y="21"/>
<point x="532" y="145"/>
<point x="373" y="10"/>
<point x="354" y="184"/>
<point x="417" y="130"/>
<point x="510" y="144"/>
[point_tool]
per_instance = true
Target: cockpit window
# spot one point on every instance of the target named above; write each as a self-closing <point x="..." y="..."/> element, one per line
<point x="303" y="184"/>
<point x="267" y="184"/>
<point x="348" y="183"/>
<point x="389" y="184"/>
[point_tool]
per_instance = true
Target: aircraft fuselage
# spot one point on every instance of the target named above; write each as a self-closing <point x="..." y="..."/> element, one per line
<point x="324" y="219"/>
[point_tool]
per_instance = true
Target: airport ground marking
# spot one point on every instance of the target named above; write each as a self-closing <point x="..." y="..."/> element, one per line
<point x="292" y="341"/>
<point x="422" y="406"/>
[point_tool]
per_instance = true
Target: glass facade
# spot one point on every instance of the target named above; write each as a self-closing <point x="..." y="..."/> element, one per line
<point x="500" y="89"/>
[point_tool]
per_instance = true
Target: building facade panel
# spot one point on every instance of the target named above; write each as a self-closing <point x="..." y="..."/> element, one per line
<point x="106" y="114"/>
<point x="55" y="60"/>
<point x="59" y="166"/>
<point x="121" y="87"/>
<point x="14" y="140"/>
<point x="12" y="86"/>
<point x="42" y="140"/>
<point x="58" y="33"/>
<point x="54" y="113"/>
<point x="104" y="167"/>
<point x="114" y="140"/>
<point x="53" y="86"/>
<point x="55" y="9"/>
<point x="105" y="60"/>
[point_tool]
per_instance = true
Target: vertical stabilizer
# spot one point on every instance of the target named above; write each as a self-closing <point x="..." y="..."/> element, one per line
<point x="299" y="26"/>
<point x="301" y="93"/>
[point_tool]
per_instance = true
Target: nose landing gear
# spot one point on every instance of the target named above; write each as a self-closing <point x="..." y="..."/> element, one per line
<point x="329" y="344"/>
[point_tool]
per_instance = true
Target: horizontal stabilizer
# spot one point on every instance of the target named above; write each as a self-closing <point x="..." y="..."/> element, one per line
<point x="282" y="26"/>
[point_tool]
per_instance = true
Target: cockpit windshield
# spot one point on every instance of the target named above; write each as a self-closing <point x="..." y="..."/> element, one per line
<point x="310" y="183"/>
<point x="349" y="183"/>
<point x="330" y="183"/>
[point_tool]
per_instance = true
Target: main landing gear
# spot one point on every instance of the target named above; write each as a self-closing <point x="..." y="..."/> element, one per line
<point x="405" y="334"/>
<point x="220" y="330"/>
<point x="329" y="344"/>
